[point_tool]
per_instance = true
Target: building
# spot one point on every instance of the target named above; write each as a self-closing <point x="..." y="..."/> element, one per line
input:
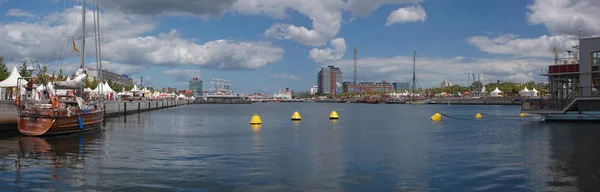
<point x="169" y="90"/>
<point x="362" y="87"/>
<point x="314" y="89"/>
<point x="196" y="87"/>
<point x="399" y="86"/>
<point x="186" y="92"/>
<point x="445" y="84"/>
<point x="329" y="80"/>
<point x="107" y="75"/>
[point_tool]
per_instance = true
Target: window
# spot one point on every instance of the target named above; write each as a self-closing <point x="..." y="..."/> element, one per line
<point x="596" y="58"/>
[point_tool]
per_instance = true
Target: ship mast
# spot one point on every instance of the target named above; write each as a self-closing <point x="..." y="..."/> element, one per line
<point x="412" y="96"/>
<point x="82" y="42"/>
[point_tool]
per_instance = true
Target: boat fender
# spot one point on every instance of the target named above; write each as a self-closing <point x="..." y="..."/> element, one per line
<point x="54" y="101"/>
<point x="80" y="121"/>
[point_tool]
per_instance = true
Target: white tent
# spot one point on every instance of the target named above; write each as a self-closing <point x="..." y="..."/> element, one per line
<point x="525" y="92"/>
<point x="181" y="96"/>
<point x="135" y="88"/>
<point x="11" y="81"/>
<point x="534" y="92"/>
<point x="496" y="93"/>
<point x="106" y="88"/>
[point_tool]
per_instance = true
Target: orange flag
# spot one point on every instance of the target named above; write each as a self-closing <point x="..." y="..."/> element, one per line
<point x="75" y="47"/>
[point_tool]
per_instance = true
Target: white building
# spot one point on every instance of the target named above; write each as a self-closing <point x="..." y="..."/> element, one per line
<point x="314" y="89"/>
<point x="445" y="83"/>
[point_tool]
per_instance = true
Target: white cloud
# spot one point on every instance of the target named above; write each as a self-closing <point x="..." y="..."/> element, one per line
<point x="509" y="44"/>
<point x="328" y="54"/>
<point x="565" y="17"/>
<point x="19" y="13"/>
<point x="50" y="40"/>
<point x="183" y="74"/>
<point x="406" y="14"/>
<point x="170" y="49"/>
<point x="325" y="15"/>
<point x="432" y="70"/>
<point x="284" y="76"/>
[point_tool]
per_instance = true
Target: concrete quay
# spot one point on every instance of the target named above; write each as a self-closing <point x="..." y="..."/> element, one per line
<point x="8" y="111"/>
<point x="480" y="101"/>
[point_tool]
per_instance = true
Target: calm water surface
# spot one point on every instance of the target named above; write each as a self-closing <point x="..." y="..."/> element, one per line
<point x="370" y="148"/>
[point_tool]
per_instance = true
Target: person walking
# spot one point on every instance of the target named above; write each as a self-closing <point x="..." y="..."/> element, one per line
<point x="10" y="93"/>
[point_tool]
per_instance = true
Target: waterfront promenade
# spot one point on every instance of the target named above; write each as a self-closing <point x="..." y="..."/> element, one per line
<point x="8" y="111"/>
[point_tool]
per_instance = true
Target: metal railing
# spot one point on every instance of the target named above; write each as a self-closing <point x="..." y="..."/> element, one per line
<point x="559" y="104"/>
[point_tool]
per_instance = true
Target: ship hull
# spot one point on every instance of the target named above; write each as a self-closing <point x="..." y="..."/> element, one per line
<point x="41" y="125"/>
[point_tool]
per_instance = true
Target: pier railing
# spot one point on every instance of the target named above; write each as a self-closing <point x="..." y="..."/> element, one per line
<point x="558" y="104"/>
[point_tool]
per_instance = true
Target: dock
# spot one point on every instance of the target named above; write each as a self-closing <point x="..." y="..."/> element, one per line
<point x="8" y="111"/>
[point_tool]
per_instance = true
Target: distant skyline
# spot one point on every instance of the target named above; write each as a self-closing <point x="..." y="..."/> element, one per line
<point x="270" y="45"/>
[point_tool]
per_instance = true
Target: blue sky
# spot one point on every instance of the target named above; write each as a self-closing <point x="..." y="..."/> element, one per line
<point x="230" y="39"/>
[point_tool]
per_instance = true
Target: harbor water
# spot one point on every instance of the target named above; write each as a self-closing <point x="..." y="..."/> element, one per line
<point x="371" y="147"/>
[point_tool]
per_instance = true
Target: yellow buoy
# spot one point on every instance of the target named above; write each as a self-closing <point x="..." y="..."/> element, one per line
<point x="478" y="116"/>
<point x="296" y="116"/>
<point x="436" y="117"/>
<point x="255" y="119"/>
<point x="523" y="115"/>
<point x="333" y="115"/>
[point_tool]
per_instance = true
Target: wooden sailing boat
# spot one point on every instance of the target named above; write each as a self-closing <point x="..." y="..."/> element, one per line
<point x="58" y="113"/>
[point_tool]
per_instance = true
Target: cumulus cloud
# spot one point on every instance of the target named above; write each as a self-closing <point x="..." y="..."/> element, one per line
<point x="19" y="13"/>
<point x="432" y="70"/>
<point x="329" y="54"/>
<point x="170" y="49"/>
<point x="183" y="74"/>
<point x="284" y="76"/>
<point x="325" y="15"/>
<point x="510" y="44"/>
<point x="565" y="17"/>
<point x="50" y="39"/>
<point x="406" y="14"/>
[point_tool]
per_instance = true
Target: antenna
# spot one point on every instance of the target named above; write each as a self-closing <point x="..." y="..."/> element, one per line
<point x="555" y="54"/>
<point x="355" y="65"/>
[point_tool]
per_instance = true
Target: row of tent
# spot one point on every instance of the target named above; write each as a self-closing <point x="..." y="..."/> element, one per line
<point x="12" y="80"/>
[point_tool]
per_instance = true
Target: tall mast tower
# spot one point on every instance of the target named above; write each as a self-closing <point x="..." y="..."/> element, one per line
<point x="355" y="66"/>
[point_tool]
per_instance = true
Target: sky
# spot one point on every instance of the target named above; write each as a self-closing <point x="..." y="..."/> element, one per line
<point x="270" y="45"/>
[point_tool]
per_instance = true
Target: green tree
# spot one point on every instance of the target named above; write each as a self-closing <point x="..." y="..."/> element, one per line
<point x="23" y="72"/>
<point x="3" y="70"/>
<point x="61" y="76"/>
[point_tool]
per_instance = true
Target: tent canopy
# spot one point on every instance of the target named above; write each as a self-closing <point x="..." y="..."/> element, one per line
<point x="11" y="81"/>
<point x="496" y="90"/>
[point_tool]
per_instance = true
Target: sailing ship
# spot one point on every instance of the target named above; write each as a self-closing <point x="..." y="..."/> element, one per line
<point x="573" y="85"/>
<point x="414" y="100"/>
<point x="61" y="108"/>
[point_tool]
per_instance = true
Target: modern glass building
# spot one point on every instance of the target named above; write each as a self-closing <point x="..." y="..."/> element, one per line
<point x="329" y="80"/>
<point x="196" y="87"/>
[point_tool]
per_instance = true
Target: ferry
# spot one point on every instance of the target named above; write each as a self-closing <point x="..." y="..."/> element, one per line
<point x="573" y="84"/>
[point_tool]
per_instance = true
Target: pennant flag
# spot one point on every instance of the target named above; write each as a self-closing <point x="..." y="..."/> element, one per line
<point x="75" y="47"/>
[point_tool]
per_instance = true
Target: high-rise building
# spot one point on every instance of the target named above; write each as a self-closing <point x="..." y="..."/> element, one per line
<point x="445" y="84"/>
<point x="196" y="87"/>
<point x="329" y="80"/>
<point x="399" y="86"/>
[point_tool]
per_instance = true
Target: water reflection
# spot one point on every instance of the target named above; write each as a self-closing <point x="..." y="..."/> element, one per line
<point x="61" y="159"/>
<point x="574" y="158"/>
<point x="256" y="136"/>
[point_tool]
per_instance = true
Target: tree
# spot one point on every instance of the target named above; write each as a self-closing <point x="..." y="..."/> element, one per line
<point x="23" y="72"/>
<point x="61" y="76"/>
<point x="3" y="70"/>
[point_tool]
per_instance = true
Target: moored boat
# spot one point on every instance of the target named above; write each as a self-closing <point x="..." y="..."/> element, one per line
<point x="46" y="106"/>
